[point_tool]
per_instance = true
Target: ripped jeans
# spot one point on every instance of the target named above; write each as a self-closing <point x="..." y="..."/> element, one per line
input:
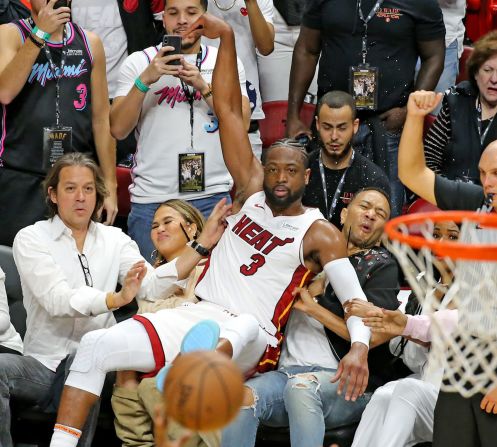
<point x="301" y="397"/>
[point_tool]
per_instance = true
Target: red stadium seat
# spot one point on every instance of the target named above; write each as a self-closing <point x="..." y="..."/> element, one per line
<point x="273" y="127"/>
<point x="123" y="176"/>
<point x="463" y="72"/>
<point x="481" y="17"/>
<point x="473" y="5"/>
<point x="419" y="206"/>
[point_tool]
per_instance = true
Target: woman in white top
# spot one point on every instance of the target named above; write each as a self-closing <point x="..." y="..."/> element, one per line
<point x="175" y="223"/>
<point x="10" y="340"/>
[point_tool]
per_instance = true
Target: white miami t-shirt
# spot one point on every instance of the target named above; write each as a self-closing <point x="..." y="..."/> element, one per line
<point x="163" y="131"/>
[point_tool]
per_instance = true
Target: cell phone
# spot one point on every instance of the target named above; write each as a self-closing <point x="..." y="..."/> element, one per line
<point x="61" y="3"/>
<point x="172" y="41"/>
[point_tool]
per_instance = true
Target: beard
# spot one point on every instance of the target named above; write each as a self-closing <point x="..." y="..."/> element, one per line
<point x="187" y="45"/>
<point x="362" y="243"/>
<point x="335" y="157"/>
<point x="282" y="202"/>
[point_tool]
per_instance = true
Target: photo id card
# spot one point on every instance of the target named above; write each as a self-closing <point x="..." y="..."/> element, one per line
<point x="364" y="86"/>
<point x="191" y="172"/>
<point x="57" y="141"/>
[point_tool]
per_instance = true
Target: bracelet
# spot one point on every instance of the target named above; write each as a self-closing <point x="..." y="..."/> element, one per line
<point x="141" y="86"/>
<point x="39" y="44"/>
<point x="109" y="300"/>
<point x="41" y="34"/>
<point x="209" y="92"/>
<point x="201" y="250"/>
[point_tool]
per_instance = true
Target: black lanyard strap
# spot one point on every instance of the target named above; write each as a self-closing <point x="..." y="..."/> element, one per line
<point x="365" y="21"/>
<point x="483" y="133"/>
<point x="190" y="95"/>
<point x="339" y="189"/>
<point x="54" y="69"/>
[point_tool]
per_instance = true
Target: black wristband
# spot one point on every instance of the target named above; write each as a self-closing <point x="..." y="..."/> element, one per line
<point x="40" y="45"/>
<point x="202" y="251"/>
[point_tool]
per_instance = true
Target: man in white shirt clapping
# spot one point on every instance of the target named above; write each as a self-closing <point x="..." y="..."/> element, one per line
<point x="69" y="267"/>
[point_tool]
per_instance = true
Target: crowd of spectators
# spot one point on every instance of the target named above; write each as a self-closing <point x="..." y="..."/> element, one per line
<point x="85" y="84"/>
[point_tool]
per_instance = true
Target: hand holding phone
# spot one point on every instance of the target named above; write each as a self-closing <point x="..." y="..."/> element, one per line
<point x="51" y="17"/>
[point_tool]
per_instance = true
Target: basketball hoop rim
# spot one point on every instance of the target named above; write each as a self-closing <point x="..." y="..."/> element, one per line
<point x="453" y="250"/>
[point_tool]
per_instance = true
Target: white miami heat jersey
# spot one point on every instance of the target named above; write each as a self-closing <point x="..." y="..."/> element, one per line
<point x="257" y="264"/>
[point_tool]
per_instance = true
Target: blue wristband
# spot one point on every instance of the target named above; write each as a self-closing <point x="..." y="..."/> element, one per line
<point x="141" y="86"/>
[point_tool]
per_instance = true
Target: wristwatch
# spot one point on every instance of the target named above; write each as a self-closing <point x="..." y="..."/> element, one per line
<point x="41" y="34"/>
<point x="202" y="251"/>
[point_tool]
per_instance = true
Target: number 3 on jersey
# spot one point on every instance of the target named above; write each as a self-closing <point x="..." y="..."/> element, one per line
<point x="251" y="269"/>
<point x="80" y="104"/>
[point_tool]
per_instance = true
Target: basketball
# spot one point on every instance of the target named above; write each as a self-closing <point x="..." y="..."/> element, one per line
<point x="203" y="390"/>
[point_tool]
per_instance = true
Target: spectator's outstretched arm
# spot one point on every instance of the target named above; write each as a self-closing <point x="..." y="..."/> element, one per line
<point x="237" y="151"/>
<point x="306" y="303"/>
<point x="413" y="171"/>
<point x="305" y="58"/>
<point x="262" y="31"/>
<point x="17" y="58"/>
<point x="100" y="110"/>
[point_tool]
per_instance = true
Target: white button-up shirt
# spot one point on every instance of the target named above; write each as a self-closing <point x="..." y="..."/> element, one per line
<point x="60" y="307"/>
<point x="8" y="335"/>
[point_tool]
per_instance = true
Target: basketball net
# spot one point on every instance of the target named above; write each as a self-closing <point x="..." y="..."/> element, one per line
<point x="468" y="354"/>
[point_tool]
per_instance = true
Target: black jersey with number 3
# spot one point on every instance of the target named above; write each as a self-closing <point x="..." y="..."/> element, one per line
<point x="23" y="120"/>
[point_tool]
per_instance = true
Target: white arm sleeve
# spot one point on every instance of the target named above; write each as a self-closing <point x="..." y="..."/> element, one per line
<point x="343" y="279"/>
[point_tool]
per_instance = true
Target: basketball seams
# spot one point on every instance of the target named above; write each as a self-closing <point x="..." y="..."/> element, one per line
<point x="222" y="383"/>
<point x="173" y="381"/>
<point x="200" y="395"/>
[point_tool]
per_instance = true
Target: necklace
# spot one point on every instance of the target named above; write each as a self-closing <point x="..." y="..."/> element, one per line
<point x="224" y="8"/>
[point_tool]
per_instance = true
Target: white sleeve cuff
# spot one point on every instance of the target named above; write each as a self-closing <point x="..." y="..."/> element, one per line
<point x="167" y="271"/>
<point x="159" y="282"/>
<point x="90" y="302"/>
<point x="343" y="279"/>
<point x="358" y="331"/>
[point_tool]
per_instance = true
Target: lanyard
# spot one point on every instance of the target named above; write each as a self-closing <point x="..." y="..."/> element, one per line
<point x="190" y="95"/>
<point x="54" y="70"/>
<point x="480" y="122"/>
<point x="338" y="191"/>
<point x="366" y="21"/>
